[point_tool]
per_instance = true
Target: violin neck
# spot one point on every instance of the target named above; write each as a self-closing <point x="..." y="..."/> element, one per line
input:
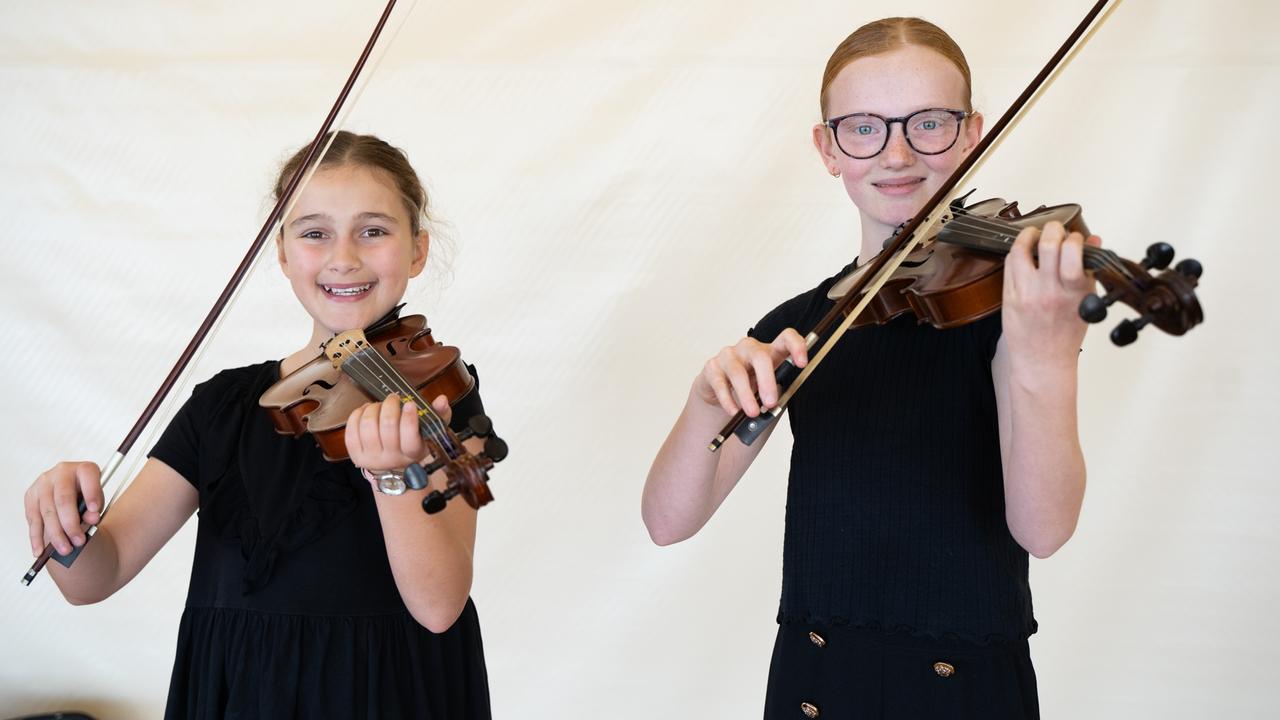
<point x="990" y="235"/>
<point x="995" y="235"/>
<point x="378" y="379"/>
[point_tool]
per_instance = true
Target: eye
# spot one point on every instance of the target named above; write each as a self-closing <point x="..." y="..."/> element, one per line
<point x="312" y="234"/>
<point x="374" y="232"/>
<point x="864" y="128"/>
<point x="929" y="125"/>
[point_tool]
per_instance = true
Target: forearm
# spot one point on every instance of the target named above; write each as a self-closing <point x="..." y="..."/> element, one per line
<point x="687" y="483"/>
<point x="1045" y="471"/>
<point x="95" y="574"/>
<point x="430" y="556"/>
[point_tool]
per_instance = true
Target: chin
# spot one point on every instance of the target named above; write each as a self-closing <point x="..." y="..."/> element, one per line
<point x="341" y="323"/>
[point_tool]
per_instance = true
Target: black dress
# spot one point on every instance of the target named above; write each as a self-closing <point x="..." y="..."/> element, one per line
<point x="292" y="610"/>
<point x="903" y="592"/>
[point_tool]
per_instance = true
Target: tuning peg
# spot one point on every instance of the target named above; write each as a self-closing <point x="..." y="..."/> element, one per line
<point x="477" y="426"/>
<point x="416" y="475"/>
<point x="435" y="501"/>
<point x="1094" y="309"/>
<point x="1159" y="255"/>
<point x="482" y="427"/>
<point x="1190" y="268"/>
<point x="1127" y="331"/>
<point x="495" y="448"/>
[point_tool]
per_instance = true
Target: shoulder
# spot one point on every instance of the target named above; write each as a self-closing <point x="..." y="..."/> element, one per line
<point x="230" y="387"/>
<point x="801" y="312"/>
<point x="239" y="378"/>
<point x="211" y="415"/>
<point x="239" y="381"/>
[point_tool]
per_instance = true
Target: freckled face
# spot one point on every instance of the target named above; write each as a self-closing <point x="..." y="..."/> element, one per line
<point x="348" y="248"/>
<point x="890" y="188"/>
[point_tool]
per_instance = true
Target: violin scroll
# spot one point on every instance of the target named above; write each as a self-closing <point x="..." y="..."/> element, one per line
<point x="1167" y="300"/>
<point x="468" y="479"/>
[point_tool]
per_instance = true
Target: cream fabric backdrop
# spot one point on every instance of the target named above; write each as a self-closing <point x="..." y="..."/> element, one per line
<point x="629" y="186"/>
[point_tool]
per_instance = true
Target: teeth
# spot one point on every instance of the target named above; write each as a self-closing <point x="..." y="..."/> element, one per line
<point x="346" y="291"/>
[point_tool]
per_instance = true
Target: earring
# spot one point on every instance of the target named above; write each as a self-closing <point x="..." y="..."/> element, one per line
<point x="835" y="173"/>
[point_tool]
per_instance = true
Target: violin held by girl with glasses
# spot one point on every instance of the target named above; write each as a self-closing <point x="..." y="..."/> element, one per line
<point x="956" y="276"/>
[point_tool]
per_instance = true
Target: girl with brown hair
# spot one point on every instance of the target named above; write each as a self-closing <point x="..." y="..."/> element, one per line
<point x="312" y="595"/>
<point x="926" y="463"/>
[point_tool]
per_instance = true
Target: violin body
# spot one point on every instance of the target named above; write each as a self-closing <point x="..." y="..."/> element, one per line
<point x="954" y="278"/>
<point x="395" y="356"/>
<point x="318" y="397"/>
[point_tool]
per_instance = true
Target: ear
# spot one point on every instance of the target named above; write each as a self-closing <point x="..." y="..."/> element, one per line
<point x="421" y="244"/>
<point x="972" y="131"/>
<point x="826" y="147"/>
<point x="280" y="256"/>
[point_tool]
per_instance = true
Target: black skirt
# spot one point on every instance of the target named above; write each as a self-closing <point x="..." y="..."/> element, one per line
<point x="821" y="671"/>
<point x="247" y="665"/>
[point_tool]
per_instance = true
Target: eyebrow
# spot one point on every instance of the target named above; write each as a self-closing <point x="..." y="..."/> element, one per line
<point x="362" y="216"/>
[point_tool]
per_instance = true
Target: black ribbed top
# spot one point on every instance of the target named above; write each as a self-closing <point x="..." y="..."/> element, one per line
<point x="895" y="504"/>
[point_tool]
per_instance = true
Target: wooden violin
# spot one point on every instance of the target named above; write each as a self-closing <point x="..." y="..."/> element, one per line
<point x="393" y="356"/>
<point x="956" y="276"/>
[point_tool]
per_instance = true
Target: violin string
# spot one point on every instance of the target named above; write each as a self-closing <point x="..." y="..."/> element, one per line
<point x="963" y="228"/>
<point x="388" y="377"/>
<point x="427" y="422"/>
<point x="1095" y="258"/>
<point x="997" y="224"/>
<point x="1104" y="257"/>
<point x="428" y="414"/>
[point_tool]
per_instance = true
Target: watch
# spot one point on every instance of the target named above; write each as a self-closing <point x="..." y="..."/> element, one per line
<point x="388" y="482"/>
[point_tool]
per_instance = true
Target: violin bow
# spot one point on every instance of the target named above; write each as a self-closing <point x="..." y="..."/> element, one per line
<point x="315" y="151"/>
<point x="886" y="262"/>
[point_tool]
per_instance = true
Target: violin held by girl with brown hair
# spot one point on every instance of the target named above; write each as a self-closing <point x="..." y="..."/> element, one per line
<point x="937" y="446"/>
<point x="319" y="588"/>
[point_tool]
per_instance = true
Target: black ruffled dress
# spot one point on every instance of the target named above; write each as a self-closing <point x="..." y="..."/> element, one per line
<point x="292" y="610"/>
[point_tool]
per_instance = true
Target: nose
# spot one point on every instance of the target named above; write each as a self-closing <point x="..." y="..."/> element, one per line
<point x="897" y="152"/>
<point x="345" y="256"/>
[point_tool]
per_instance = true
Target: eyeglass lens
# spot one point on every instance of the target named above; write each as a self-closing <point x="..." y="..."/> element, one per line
<point x="928" y="132"/>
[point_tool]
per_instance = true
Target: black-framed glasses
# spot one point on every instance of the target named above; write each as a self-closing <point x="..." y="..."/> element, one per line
<point x="928" y="132"/>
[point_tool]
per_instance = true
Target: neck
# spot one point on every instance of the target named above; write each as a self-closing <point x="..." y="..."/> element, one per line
<point x="874" y="235"/>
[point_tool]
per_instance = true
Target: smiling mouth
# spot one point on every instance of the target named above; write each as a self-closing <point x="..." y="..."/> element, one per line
<point x="899" y="182"/>
<point x="347" y="291"/>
